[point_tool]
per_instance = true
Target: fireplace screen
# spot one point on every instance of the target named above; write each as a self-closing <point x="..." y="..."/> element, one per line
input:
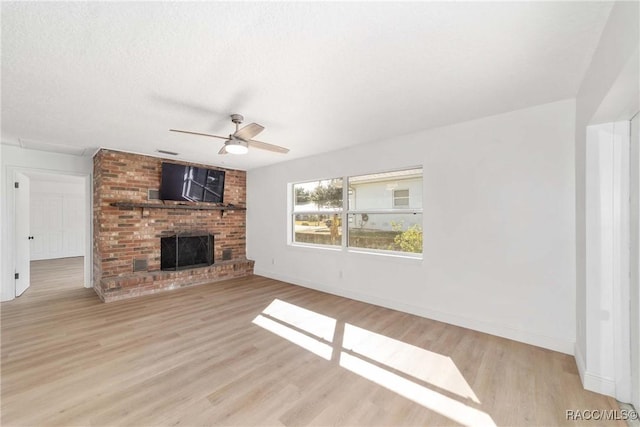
<point x="182" y="252"/>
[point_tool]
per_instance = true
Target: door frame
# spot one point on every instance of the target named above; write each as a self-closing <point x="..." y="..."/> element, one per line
<point x="607" y="366"/>
<point x="8" y="284"/>
<point x="621" y="259"/>
<point x="634" y="291"/>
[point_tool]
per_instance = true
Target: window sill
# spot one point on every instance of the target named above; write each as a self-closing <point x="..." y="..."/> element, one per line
<point x="408" y="257"/>
<point x="320" y="247"/>
<point x="391" y="256"/>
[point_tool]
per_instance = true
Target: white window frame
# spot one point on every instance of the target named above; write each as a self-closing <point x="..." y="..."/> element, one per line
<point x="292" y="213"/>
<point x="344" y="213"/>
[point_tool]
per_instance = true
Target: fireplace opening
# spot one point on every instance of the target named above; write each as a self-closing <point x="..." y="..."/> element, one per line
<point x="179" y="252"/>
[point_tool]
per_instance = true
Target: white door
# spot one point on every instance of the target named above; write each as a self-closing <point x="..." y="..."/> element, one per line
<point x="22" y="236"/>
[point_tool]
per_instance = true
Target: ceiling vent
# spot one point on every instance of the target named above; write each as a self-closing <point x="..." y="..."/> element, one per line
<point x="170" y="153"/>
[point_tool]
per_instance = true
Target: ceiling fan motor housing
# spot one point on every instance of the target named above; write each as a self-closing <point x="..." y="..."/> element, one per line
<point x="237" y="118"/>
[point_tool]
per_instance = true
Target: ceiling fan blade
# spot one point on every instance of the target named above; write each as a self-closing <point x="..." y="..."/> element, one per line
<point x="269" y="147"/>
<point x="223" y="150"/>
<point x="249" y="131"/>
<point x="198" y="133"/>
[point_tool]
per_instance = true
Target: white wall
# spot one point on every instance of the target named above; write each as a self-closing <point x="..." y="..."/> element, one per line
<point x="19" y="159"/>
<point x="617" y="46"/>
<point x="498" y="217"/>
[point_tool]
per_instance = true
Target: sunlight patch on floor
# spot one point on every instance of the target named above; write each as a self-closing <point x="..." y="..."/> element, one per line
<point x="314" y="323"/>
<point x="450" y="408"/>
<point x="422" y="364"/>
<point x="373" y="356"/>
<point x="298" y="338"/>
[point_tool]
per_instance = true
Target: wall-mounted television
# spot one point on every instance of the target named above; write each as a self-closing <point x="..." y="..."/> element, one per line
<point x="191" y="183"/>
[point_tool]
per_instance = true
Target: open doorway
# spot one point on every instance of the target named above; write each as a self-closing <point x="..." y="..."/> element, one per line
<point x="56" y="218"/>
<point x="57" y="276"/>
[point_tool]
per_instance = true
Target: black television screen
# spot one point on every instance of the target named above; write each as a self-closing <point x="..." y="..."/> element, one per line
<point x="191" y="183"/>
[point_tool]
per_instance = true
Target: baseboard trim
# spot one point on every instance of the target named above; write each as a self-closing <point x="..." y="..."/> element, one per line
<point x="593" y="382"/>
<point x="519" y="335"/>
<point x="577" y="354"/>
<point x="598" y="384"/>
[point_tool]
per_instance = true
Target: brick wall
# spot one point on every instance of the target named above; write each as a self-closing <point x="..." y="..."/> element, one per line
<point x="122" y="235"/>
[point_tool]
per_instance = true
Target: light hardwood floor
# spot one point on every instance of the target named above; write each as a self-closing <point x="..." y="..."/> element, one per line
<point x="255" y="351"/>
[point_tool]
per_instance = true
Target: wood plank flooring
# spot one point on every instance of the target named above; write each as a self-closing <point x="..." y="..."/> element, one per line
<point x="256" y="351"/>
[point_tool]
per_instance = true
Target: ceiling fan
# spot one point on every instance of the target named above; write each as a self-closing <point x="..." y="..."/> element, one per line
<point x="240" y="141"/>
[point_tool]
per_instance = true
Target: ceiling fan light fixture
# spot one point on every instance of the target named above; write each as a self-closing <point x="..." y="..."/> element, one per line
<point x="235" y="146"/>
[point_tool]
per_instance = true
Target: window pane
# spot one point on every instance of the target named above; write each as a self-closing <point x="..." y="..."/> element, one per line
<point x="399" y="189"/>
<point x="400" y="198"/>
<point x="324" y="195"/>
<point x="391" y="232"/>
<point x="321" y="229"/>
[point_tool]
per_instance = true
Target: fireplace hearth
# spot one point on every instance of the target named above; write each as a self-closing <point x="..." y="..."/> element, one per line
<point x="183" y="251"/>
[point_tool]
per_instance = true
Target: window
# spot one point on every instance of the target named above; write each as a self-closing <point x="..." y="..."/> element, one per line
<point x="382" y="213"/>
<point x="400" y="198"/>
<point x="317" y="212"/>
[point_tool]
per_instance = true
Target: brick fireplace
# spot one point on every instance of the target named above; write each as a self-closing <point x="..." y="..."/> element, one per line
<point x="129" y="228"/>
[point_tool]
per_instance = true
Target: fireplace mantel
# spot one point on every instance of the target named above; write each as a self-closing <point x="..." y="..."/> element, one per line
<point x="198" y="207"/>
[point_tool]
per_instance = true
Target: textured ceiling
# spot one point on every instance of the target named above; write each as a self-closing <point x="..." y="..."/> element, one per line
<point x="319" y="76"/>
